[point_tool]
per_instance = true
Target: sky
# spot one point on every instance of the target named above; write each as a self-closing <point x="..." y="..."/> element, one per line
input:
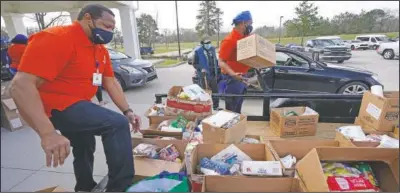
<point x="263" y="12"/>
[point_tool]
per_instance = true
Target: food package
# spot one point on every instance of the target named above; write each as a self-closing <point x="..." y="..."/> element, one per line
<point x="339" y="169"/>
<point x="262" y="168"/>
<point x="248" y="140"/>
<point x="147" y="150"/>
<point x="388" y="142"/>
<point x="157" y="110"/>
<point x="165" y="123"/>
<point x="366" y="170"/>
<point x="223" y="119"/>
<point x="349" y="184"/>
<point x="171" y="129"/>
<point x="169" y="153"/>
<point x="180" y="122"/>
<point x="195" y="92"/>
<point x="231" y="153"/>
<point x="288" y="161"/>
<point x="217" y="166"/>
<point x="353" y="132"/>
<point x="183" y="95"/>
<point x="168" y="138"/>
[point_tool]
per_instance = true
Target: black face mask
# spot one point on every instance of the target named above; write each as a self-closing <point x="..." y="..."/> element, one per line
<point x="101" y="36"/>
<point x="248" y="30"/>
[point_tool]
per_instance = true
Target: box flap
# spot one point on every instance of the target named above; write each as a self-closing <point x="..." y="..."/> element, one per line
<point x="150" y="167"/>
<point x="10" y="104"/>
<point x="310" y="171"/>
<point x="152" y="130"/>
<point x="248" y="184"/>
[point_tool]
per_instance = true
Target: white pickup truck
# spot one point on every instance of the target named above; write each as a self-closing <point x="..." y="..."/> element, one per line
<point x="388" y="50"/>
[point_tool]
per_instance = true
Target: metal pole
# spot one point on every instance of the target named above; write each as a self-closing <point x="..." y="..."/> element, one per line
<point x="177" y="28"/>
<point x="280" y="29"/>
<point x="218" y="12"/>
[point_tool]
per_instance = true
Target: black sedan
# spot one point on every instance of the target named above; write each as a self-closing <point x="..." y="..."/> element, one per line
<point x="296" y="72"/>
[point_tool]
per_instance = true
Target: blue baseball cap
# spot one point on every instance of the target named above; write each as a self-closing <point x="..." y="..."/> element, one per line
<point x="20" y="39"/>
<point x="242" y="17"/>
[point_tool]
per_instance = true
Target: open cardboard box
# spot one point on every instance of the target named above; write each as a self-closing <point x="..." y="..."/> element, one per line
<point x="257" y="137"/>
<point x="234" y="134"/>
<point x="52" y="189"/>
<point x="156" y="119"/>
<point x="146" y="167"/>
<point x="384" y="163"/>
<point x="257" y="152"/>
<point x="381" y="113"/>
<point x="297" y="148"/>
<point x="250" y="184"/>
<point x="294" y="126"/>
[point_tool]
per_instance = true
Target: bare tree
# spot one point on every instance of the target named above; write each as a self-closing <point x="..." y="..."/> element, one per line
<point x="42" y="24"/>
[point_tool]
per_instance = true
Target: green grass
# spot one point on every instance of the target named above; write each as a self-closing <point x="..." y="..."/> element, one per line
<point x="162" y="48"/>
<point x="169" y="62"/>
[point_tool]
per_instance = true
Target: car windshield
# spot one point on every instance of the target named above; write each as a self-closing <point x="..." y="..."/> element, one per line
<point x="382" y="39"/>
<point x="115" y="55"/>
<point x="337" y="41"/>
<point x="325" y="42"/>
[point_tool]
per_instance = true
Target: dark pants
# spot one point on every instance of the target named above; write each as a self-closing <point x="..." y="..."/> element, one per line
<point x="80" y="123"/>
<point x="212" y="83"/>
<point x="99" y="94"/>
<point x="233" y="86"/>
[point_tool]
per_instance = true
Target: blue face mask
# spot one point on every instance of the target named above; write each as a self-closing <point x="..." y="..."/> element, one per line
<point x="101" y="36"/>
<point x="207" y="46"/>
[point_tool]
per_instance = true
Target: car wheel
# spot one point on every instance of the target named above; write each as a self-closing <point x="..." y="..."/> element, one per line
<point x="121" y="82"/>
<point x="354" y="88"/>
<point x="340" y="61"/>
<point x="353" y="47"/>
<point x="388" y="54"/>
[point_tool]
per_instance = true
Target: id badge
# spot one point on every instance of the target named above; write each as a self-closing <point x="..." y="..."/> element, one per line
<point x="97" y="79"/>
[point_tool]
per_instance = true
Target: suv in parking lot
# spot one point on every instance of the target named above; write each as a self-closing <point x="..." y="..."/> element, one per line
<point x="327" y="50"/>
<point x="389" y="50"/>
<point x="373" y="41"/>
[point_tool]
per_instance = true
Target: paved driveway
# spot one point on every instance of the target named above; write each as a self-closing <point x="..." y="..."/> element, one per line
<point x="22" y="159"/>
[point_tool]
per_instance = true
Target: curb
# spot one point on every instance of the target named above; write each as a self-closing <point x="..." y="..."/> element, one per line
<point x="172" y="66"/>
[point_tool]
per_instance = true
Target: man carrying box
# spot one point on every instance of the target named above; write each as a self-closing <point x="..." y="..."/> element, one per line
<point x="232" y="71"/>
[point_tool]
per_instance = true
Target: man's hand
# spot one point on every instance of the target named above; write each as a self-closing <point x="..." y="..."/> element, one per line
<point x="56" y="147"/>
<point x="238" y="76"/>
<point x="135" y="121"/>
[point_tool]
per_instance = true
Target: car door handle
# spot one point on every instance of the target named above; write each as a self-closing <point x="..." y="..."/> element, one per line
<point x="283" y="71"/>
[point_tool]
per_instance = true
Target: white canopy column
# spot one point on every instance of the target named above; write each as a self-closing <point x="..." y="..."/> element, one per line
<point x="14" y="24"/>
<point x="73" y="14"/>
<point x="129" y="31"/>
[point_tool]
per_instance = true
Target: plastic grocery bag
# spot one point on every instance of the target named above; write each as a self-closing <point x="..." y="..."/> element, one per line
<point x="163" y="182"/>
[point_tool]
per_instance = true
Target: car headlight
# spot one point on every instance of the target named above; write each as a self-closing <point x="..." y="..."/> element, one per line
<point x="375" y="77"/>
<point x="130" y="69"/>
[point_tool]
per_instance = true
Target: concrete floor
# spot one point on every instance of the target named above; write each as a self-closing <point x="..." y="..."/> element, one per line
<point x="23" y="161"/>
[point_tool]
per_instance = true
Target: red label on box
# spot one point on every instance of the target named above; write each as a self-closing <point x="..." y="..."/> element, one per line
<point x="197" y="108"/>
<point x="349" y="183"/>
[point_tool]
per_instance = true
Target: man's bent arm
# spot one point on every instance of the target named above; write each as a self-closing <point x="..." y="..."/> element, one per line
<point x="26" y="96"/>
<point x="116" y="93"/>
<point x="226" y="68"/>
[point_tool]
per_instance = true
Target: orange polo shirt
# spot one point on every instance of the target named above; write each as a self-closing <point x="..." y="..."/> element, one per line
<point x="227" y="52"/>
<point x="66" y="58"/>
<point x="15" y="51"/>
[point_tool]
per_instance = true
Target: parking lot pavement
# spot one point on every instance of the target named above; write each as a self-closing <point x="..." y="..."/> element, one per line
<point x="22" y="159"/>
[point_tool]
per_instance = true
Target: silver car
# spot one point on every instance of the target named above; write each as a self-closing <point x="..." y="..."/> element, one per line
<point x="131" y="72"/>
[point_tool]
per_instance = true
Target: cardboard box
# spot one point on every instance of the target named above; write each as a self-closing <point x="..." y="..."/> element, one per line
<point x="257" y="137"/>
<point x="53" y="189"/>
<point x="381" y="113"/>
<point x="250" y="184"/>
<point x="384" y="163"/>
<point x="396" y="133"/>
<point x="368" y="128"/>
<point x="146" y="167"/>
<point x="156" y="119"/>
<point x="10" y="117"/>
<point x="297" y="148"/>
<point x="235" y="134"/>
<point x="294" y="126"/>
<point x="176" y="106"/>
<point x="345" y="142"/>
<point x="257" y="152"/>
<point x="5" y="89"/>
<point x="256" y="52"/>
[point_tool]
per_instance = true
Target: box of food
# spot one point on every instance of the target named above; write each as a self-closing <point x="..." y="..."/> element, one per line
<point x="256" y="52"/>
<point x="147" y="167"/>
<point x="380" y="113"/>
<point x="289" y="152"/>
<point x="294" y="121"/>
<point x="326" y="169"/>
<point x="253" y="184"/>
<point x="214" y="133"/>
<point x="184" y="105"/>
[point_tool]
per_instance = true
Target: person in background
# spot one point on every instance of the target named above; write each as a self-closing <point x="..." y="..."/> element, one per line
<point x="232" y="71"/>
<point x="58" y="75"/>
<point x="16" y="50"/>
<point x="206" y="65"/>
<point x="5" y="59"/>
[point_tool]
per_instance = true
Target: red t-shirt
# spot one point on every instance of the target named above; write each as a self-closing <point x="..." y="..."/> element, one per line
<point x="15" y="51"/>
<point x="228" y="52"/>
<point x="66" y="58"/>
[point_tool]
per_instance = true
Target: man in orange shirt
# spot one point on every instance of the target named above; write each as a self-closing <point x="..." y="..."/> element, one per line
<point x="59" y="74"/>
<point x="232" y="81"/>
<point x="16" y="50"/>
